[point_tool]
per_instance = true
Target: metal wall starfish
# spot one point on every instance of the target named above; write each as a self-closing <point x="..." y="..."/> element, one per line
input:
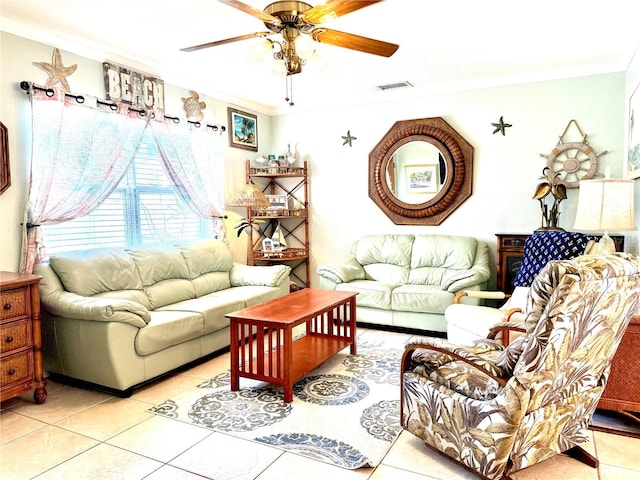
<point x="58" y="73"/>
<point x="500" y="126"/>
<point x="348" y="138"/>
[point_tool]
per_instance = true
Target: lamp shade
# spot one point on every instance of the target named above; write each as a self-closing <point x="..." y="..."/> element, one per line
<point x="250" y="196"/>
<point x="605" y="206"/>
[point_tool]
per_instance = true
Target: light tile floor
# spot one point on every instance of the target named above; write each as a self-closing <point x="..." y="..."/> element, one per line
<point x="84" y="434"/>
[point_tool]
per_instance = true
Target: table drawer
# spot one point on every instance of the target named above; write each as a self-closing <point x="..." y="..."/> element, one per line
<point x="16" y="368"/>
<point x="13" y="303"/>
<point x="15" y="335"/>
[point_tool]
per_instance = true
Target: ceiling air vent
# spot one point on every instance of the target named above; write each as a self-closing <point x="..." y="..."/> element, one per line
<point x="389" y="86"/>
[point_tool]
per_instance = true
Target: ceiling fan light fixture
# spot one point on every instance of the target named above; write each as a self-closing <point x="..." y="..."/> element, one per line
<point x="279" y="68"/>
<point x="260" y="48"/>
<point x="304" y="46"/>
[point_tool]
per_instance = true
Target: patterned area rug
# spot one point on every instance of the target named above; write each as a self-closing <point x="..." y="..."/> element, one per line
<point x="346" y="412"/>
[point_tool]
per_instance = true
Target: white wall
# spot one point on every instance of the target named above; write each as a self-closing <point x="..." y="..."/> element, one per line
<point x="507" y="168"/>
<point x="16" y="57"/>
<point x="633" y="85"/>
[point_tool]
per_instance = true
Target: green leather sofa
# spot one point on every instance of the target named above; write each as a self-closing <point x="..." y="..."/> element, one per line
<point x="407" y="280"/>
<point x="118" y="318"/>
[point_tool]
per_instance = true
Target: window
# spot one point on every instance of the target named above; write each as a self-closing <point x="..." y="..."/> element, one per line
<point x="144" y="209"/>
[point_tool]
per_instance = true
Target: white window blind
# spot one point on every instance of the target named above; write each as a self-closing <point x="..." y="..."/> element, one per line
<point x="143" y="210"/>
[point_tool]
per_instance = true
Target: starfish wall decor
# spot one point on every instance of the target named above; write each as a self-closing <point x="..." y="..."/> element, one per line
<point x="348" y="139"/>
<point x="500" y="126"/>
<point x="57" y="72"/>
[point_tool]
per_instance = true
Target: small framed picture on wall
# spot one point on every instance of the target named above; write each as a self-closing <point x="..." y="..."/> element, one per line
<point x="243" y="129"/>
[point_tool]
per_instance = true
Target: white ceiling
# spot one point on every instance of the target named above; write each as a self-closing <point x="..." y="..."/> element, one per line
<point x="444" y="46"/>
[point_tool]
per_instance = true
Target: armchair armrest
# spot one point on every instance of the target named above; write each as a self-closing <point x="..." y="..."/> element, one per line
<point x="343" y="272"/>
<point x="448" y="351"/>
<point x="506" y="328"/>
<point x="484" y="294"/>
<point x="70" y="305"/>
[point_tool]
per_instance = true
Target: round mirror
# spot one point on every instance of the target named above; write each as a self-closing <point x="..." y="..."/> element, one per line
<point x="416" y="172"/>
<point x="420" y="172"/>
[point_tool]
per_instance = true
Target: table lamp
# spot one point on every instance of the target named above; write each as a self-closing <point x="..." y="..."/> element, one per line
<point x="605" y="205"/>
<point x="250" y="196"/>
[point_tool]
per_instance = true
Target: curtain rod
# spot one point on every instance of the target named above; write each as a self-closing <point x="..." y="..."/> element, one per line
<point x="26" y="86"/>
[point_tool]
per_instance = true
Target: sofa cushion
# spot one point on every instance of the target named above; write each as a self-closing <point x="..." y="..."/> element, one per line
<point x="205" y="257"/>
<point x="96" y="271"/>
<point x="168" y="328"/>
<point x="385" y="257"/>
<point x="156" y="264"/>
<point x="166" y="292"/>
<point x="421" y="298"/>
<point x="371" y="293"/>
<point x="444" y="251"/>
<point x="212" y="307"/>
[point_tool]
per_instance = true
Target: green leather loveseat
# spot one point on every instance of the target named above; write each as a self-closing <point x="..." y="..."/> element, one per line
<point x="407" y="280"/>
<point x="117" y="318"/>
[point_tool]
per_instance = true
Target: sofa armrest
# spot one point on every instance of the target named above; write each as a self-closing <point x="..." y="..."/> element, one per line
<point x="459" y="280"/>
<point x="70" y="305"/>
<point x="343" y="272"/>
<point x="258" y="275"/>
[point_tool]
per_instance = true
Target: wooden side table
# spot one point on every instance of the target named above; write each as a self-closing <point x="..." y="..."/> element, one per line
<point x="20" y="337"/>
<point x="622" y="393"/>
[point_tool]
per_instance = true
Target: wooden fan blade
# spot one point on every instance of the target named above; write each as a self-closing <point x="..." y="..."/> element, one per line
<point x="259" y="14"/>
<point x="334" y="9"/>
<point x="354" y="42"/>
<point x="227" y="40"/>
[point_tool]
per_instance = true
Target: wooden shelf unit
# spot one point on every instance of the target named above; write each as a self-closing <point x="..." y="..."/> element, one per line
<point x="294" y="222"/>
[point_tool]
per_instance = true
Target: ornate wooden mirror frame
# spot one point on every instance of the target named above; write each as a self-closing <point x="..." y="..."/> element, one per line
<point x="458" y="180"/>
<point x="5" y="176"/>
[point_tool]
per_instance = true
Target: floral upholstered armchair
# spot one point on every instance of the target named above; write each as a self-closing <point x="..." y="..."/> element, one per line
<point x="495" y="409"/>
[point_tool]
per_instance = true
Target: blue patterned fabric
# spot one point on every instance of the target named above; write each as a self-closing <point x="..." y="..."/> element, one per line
<point x="542" y="247"/>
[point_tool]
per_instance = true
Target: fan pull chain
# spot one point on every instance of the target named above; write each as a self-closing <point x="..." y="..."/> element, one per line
<point x="289" y="90"/>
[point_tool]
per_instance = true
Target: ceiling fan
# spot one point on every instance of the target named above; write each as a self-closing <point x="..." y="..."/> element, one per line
<point x="291" y="19"/>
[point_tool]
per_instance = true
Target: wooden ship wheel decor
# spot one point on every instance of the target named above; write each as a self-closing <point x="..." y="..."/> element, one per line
<point x="571" y="162"/>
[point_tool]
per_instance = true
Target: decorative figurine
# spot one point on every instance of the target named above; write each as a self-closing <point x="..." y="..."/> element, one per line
<point x="550" y="217"/>
<point x="193" y="106"/>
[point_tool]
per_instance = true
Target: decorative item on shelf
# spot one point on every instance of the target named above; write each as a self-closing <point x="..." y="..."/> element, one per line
<point x="290" y="156"/>
<point x="573" y="161"/>
<point x="193" y="107"/>
<point x="553" y="185"/>
<point x="278" y="238"/>
<point x="57" y="72"/>
<point x="605" y="205"/>
<point x="261" y="160"/>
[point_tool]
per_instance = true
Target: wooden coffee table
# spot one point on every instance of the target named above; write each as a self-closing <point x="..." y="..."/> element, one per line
<point x="262" y="345"/>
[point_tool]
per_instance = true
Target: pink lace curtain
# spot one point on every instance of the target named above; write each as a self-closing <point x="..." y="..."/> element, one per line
<point x="81" y="149"/>
<point x="192" y="158"/>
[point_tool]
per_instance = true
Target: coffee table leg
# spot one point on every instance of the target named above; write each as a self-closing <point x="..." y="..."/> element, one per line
<point x="352" y="326"/>
<point x="235" y="364"/>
